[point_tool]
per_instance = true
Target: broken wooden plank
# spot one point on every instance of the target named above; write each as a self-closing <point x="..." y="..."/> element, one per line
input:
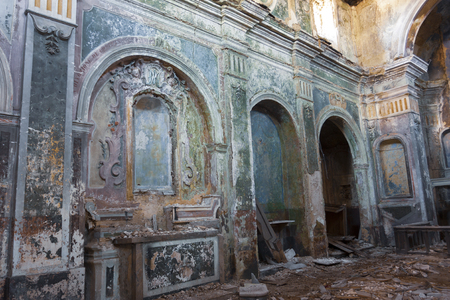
<point x="271" y="239"/>
<point x="359" y="253"/>
<point x="337" y="245"/>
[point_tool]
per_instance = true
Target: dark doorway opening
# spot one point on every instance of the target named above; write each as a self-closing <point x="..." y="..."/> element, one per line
<point x="339" y="190"/>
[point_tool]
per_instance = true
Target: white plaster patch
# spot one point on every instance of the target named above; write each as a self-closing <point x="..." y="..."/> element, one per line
<point x="76" y="283"/>
<point x="77" y="254"/>
<point x="325" y="20"/>
<point x="39" y="250"/>
<point x="141" y="140"/>
<point x="317" y="202"/>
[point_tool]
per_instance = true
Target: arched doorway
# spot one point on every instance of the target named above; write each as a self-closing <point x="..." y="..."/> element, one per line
<point x="339" y="186"/>
<point x="277" y="172"/>
<point x="432" y="44"/>
<point x="267" y="164"/>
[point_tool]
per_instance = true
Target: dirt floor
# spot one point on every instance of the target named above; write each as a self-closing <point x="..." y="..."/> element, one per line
<point x="383" y="275"/>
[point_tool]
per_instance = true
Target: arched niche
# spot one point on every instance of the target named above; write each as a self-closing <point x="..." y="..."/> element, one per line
<point x="349" y="128"/>
<point x="6" y="87"/>
<point x="393" y="167"/>
<point x="149" y="137"/>
<point x="188" y="71"/>
<point x="278" y="177"/>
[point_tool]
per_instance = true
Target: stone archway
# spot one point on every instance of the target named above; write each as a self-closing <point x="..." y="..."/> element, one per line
<point x="408" y="26"/>
<point x="99" y="63"/>
<point x="276" y="168"/>
<point x="431" y="43"/>
<point x="363" y="192"/>
<point x="339" y="189"/>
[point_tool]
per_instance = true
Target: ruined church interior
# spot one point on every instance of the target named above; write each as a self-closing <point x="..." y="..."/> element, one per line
<point x="149" y="147"/>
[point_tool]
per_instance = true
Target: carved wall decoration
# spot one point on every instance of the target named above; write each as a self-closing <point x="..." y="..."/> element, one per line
<point x="416" y="123"/>
<point x="190" y="173"/>
<point x="152" y="80"/>
<point x="111" y="169"/>
<point x="140" y="75"/>
<point x="305" y="90"/>
<point x="52" y="44"/>
<point x="239" y="91"/>
<point x="52" y="33"/>
<point x="337" y="100"/>
<point x="372" y="127"/>
<point x="235" y="64"/>
<point x="392" y="107"/>
<point x="308" y="110"/>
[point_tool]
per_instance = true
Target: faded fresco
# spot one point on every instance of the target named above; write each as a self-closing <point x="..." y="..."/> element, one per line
<point x="174" y="264"/>
<point x="394" y="168"/>
<point x="153" y="145"/>
<point x="267" y="164"/>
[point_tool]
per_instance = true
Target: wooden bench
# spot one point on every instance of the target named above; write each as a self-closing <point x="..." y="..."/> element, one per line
<point x="408" y="237"/>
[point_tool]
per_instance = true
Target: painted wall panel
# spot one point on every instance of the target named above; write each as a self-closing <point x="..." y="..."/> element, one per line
<point x="394" y="169"/>
<point x="152" y="165"/>
<point x="267" y="163"/>
<point x="173" y="265"/>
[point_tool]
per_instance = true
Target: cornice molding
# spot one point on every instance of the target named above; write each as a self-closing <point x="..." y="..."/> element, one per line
<point x="49" y="25"/>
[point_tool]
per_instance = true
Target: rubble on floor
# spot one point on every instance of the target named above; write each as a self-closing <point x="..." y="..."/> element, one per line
<point x="383" y="275"/>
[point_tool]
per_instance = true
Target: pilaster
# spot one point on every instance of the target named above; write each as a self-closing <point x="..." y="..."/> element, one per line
<point x="391" y="110"/>
<point x="430" y="106"/>
<point x="44" y="242"/>
<point x="242" y="205"/>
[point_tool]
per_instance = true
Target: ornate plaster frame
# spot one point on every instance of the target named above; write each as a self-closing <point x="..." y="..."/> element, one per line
<point x="376" y="149"/>
<point x="177" y="60"/>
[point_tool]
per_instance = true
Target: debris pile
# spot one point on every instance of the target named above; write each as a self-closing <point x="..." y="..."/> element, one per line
<point x="383" y="275"/>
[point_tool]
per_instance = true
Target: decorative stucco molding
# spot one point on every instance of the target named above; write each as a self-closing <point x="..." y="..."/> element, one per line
<point x="53" y="32"/>
<point x="62" y="10"/>
<point x="6" y="86"/>
<point x="378" y="109"/>
<point x="96" y="70"/>
<point x="337" y="100"/>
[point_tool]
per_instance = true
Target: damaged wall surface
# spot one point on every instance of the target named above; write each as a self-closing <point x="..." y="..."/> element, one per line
<point x="138" y="138"/>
